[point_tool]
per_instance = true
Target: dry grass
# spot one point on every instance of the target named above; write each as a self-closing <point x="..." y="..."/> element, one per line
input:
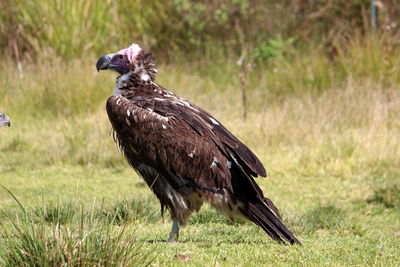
<point x="58" y="113"/>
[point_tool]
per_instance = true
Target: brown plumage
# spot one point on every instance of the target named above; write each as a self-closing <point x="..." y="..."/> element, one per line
<point x="182" y="152"/>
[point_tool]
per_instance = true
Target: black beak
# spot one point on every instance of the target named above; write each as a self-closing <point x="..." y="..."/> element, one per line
<point x="103" y="62"/>
<point x="4" y="120"/>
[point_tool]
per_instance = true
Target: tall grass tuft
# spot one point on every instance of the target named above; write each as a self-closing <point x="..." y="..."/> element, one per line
<point x="60" y="213"/>
<point x="65" y="242"/>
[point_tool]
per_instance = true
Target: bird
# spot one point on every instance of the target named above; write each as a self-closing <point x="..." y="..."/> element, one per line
<point x="4" y="120"/>
<point x="183" y="153"/>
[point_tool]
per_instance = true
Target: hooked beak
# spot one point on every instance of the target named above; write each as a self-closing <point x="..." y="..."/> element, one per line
<point x="4" y="120"/>
<point x="103" y="62"/>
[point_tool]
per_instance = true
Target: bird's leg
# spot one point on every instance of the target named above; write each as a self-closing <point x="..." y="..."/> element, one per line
<point x="173" y="236"/>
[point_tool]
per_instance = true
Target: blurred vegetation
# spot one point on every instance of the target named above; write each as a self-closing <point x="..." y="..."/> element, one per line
<point x="72" y="29"/>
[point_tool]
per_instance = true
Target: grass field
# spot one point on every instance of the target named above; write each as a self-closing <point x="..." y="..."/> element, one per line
<point x="329" y="142"/>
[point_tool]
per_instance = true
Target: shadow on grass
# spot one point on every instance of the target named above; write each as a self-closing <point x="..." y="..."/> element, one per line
<point x="388" y="195"/>
<point x="206" y="216"/>
<point x="326" y="218"/>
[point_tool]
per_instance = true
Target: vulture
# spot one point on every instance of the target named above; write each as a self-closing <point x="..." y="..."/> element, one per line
<point x="4" y="120"/>
<point x="184" y="154"/>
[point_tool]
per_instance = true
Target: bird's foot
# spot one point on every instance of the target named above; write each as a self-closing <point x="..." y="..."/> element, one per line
<point x="173" y="237"/>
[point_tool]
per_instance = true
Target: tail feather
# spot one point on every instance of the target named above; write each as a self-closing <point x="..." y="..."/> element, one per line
<point x="261" y="214"/>
<point x="272" y="207"/>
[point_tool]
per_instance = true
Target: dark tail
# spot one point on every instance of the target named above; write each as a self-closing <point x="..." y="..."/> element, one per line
<point x="260" y="213"/>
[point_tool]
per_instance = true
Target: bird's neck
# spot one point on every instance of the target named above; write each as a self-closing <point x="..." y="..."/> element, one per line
<point x="142" y="74"/>
<point x="133" y="80"/>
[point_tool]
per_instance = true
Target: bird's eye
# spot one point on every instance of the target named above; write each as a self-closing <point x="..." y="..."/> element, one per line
<point x="121" y="56"/>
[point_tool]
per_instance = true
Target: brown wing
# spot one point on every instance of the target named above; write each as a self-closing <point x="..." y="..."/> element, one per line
<point x="204" y="123"/>
<point x="248" y="160"/>
<point x="162" y="138"/>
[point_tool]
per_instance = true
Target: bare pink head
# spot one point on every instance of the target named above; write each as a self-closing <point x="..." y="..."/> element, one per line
<point x="121" y="61"/>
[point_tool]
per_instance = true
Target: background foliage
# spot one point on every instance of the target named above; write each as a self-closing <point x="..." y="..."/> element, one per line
<point x="75" y="28"/>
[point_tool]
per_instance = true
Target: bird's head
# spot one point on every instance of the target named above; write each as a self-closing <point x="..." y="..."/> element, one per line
<point x="121" y="61"/>
<point x="132" y="59"/>
<point x="4" y="120"/>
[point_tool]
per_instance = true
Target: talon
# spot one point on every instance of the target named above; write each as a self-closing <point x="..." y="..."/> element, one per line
<point x="173" y="237"/>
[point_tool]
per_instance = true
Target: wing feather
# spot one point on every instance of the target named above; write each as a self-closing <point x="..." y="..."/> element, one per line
<point x="175" y="135"/>
<point x="176" y="151"/>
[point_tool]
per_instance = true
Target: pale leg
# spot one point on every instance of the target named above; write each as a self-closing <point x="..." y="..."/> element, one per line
<point x="173" y="236"/>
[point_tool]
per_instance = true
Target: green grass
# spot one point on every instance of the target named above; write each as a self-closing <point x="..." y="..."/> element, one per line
<point x="327" y="131"/>
<point x="336" y="224"/>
